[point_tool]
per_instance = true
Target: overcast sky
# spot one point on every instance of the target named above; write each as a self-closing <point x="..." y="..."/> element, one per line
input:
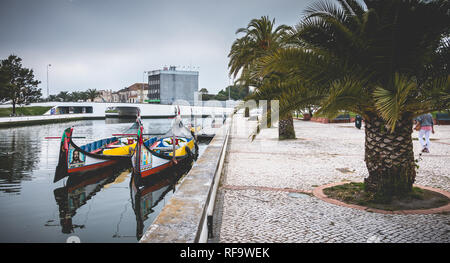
<point x="106" y="44"/>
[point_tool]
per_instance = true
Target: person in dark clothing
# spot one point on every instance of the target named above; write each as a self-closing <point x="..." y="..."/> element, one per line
<point x="358" y="121"/>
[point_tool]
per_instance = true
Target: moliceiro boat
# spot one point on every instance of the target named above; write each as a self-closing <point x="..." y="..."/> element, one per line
<point x="175" y="149"/>
<point x="74" y="159"/>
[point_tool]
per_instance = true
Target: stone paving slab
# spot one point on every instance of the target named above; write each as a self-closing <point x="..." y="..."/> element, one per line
<point x="272" y="216"/>
<point x="299" y="172"/>
<point x="254" y="205"/>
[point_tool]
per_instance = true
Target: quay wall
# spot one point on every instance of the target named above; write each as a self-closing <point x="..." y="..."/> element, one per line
<point x="6" y="122"/>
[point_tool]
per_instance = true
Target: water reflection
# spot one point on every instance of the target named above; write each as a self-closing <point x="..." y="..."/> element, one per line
<point x="17" y="158"/>
<point x="147" y="198"/>
<point x="78" y="191"/>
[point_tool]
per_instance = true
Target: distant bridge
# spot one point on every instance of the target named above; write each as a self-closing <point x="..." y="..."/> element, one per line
<point x="102" y="109"/>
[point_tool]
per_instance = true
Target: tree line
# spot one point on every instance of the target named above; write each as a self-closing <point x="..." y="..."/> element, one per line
<point x="75" y="96"/>
<point x="19" y="86"/>
<point x="235" y="92"/>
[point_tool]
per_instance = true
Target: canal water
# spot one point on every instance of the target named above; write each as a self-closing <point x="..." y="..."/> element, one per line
<point x="103" y="207"/>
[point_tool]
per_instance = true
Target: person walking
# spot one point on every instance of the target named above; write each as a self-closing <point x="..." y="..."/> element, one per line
<point x="426" y="126"/>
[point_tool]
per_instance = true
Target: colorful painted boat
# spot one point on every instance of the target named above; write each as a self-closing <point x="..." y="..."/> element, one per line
<point x="176" y="148"/>
<point x="74" y="159"/>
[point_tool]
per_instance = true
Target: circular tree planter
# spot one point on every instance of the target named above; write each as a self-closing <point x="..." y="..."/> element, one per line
<point x="318" y="192"/>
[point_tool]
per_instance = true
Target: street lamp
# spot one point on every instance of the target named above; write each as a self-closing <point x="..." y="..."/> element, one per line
<point x="143" y="84"/>
<point x="48" y="94"/>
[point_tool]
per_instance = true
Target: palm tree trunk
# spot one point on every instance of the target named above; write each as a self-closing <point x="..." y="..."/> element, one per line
<point x="268" y="113"/>
<point x="389" y="158"/>
<point x="286" y="128"/>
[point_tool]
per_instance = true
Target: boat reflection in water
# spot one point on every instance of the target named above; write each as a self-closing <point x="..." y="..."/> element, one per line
<point x="79" y="189"/>
<point x="148" y="194"/>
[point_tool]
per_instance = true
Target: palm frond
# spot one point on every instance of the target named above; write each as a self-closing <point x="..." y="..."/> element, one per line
<point x="392" y="103"/>
<point x="347" y="94"/>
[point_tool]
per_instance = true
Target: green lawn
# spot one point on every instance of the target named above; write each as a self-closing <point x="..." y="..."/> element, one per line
<point x="25" y="111"/>
<point x="294" y="115"/>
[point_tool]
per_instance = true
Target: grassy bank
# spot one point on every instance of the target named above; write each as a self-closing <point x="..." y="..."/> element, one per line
<point x="25" y="111"/>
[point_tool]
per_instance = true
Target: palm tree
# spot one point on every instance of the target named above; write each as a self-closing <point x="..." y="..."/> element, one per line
<point x="76" y="96"/>
<point x="385" y="60"/>
<point x="52" y="98"/>
<point x="260" y="39"/>
<point x="92" y="94"/>
<point x="64" y="96"/>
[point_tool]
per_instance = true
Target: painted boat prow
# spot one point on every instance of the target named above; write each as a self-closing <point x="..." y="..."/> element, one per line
<point x="79" y="159"/>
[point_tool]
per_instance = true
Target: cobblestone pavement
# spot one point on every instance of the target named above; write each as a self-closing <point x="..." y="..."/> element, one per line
<point x="264" y="191"/>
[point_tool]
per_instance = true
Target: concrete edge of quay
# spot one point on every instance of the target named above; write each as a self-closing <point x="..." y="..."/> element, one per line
<point x="186" y="217"/>
<point x="8" y="122"/>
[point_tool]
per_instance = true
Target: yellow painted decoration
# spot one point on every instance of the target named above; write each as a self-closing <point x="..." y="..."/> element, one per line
<point x="196" y="129"/>
<point x="182" y="151"/>
<point x="124" y="150"/>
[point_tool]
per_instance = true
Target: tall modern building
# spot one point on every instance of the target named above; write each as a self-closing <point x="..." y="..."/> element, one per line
<point x="168" y="85"/>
